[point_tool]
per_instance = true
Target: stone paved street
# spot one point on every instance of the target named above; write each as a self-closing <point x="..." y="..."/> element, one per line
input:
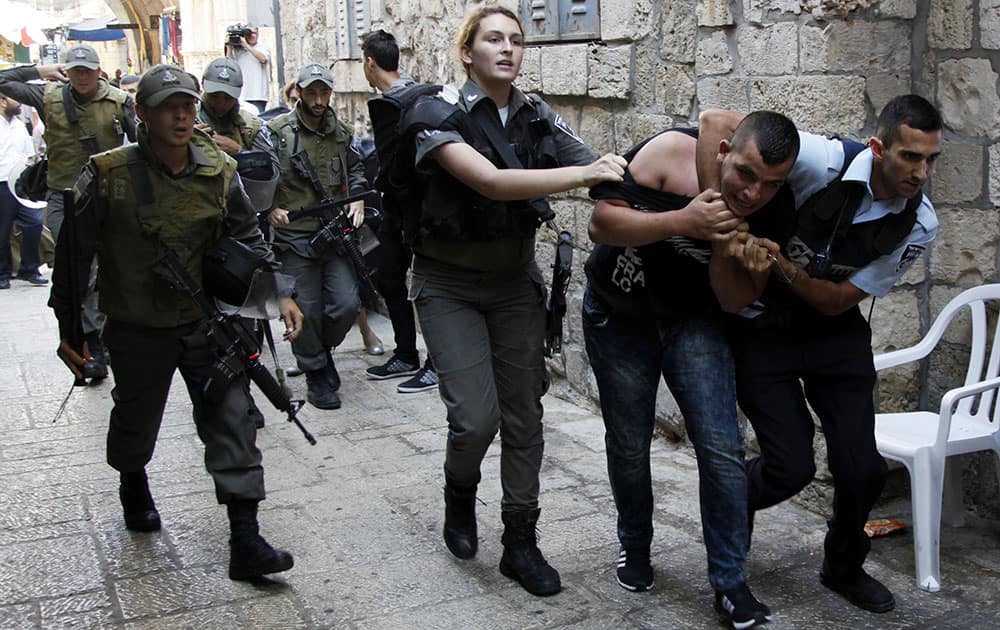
<point x="362" y="513"/>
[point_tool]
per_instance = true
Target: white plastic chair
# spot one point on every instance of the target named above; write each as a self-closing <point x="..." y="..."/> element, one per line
<point x="966" y="422"/>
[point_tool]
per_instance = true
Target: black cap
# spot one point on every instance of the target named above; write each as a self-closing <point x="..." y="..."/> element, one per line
<point x="223" y="75"/>
<point x="82" y="56"/>
<point x="314" y="72"/>
<point x="162" y="81"/>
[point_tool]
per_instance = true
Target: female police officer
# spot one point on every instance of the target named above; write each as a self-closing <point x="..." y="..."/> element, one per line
<point x="478" y="292"/>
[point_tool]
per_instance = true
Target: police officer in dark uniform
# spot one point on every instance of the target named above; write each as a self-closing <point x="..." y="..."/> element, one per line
<point x="859" y="221"/>
<point x="478" y="292"/>
<point x="381" y="67"/>
<point x="82" y="117"/>
<point x="173" y="190"/>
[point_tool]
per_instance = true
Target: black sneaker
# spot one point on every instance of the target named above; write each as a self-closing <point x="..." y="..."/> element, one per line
<point x="4" y="283"/>
<point x="36" y="278"/>
<point x="860" y="589"/>
<point x="392" y="368"/>
<point x="741" y="608"/>
<point x="423" y="381"/>
<point x="635" y="573"/>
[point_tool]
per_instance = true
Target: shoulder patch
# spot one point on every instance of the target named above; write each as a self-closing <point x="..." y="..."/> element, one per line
<point x="450" y="94"/>
<point x="909" y="256"/>
<point x="563" y="126"/>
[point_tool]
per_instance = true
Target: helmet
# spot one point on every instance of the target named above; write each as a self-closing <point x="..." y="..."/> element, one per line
<point x="228" y="270"/>
<point x="26" y="181"/>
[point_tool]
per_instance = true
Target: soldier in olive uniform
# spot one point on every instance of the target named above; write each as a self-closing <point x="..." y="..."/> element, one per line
<point x="233" y="128"/>
<point x="242" y="135"/>
<point x="85" y="116"/>
<point x="325" y="281"/>
<point x="173" y="190"/>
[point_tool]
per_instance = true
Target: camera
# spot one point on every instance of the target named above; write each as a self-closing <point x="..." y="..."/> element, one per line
<point x="235" y="32"/>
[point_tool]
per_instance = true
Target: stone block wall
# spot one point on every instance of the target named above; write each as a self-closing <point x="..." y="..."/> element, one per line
<point x="829" y="64"/>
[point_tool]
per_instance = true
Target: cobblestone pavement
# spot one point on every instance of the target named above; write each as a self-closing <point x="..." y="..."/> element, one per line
<point x="362" y="513"/>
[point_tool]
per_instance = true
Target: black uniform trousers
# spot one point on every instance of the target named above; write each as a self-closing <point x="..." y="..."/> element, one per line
<point x="829" y="365"/>
<point x="143" y="361"/>
<point x="392" y="259"/>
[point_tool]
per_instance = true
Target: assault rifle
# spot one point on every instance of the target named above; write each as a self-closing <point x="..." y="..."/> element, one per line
<point x="337" y="226"/>
<point x="236" y="346"/>
<point x="555" y="307"/>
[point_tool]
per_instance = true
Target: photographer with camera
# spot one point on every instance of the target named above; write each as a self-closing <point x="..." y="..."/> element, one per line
<point x="254" y="58"/>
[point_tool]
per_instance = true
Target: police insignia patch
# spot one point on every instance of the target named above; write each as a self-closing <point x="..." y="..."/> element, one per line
<point x="564" y="126"/>
<point x="118" y="189"/>
<point x="910" y="254"/>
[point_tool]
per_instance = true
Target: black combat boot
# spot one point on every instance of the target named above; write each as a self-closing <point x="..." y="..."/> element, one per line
<point x="320" y="394"/>
<point x="250" y="556"/>
<point x="137" y="503"/>
<point x="460" y="534"/>
<point x="98" y="368"/>
<point x="522" y="560"/>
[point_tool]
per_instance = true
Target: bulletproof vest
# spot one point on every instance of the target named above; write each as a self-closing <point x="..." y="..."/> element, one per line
<point x="70" y="144"/>
<point x="145" y="207"/>
<point x="243" y="130"/>
<point x="821" y="238"/>
<point x="328" y="155"/>
<point x="451" y="211"/>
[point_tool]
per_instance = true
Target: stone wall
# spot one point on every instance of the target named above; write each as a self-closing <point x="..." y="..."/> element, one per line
<point x="829" y="64"/>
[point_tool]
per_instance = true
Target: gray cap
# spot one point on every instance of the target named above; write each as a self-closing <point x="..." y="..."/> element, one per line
<point x="129" y="79"/>
<point x="162" y="81"/>
<point x="82" y="56"/>
<point x="314" y="72"/>
<point x="223" y="75"/>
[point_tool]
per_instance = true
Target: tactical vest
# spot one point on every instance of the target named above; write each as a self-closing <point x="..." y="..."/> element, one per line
<point x="145" y="207"/>
<point x="822" y="238"/>
<point x="101" y="118"/>
<point x="328" y="156"/>
<point x="453" y="212"/>
<point x="244" y="128"/>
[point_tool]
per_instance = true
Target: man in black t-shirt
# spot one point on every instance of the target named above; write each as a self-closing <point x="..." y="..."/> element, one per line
<point x="649" y="311"/>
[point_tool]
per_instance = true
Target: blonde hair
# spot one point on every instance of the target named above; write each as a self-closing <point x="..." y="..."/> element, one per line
<point x="470" y="27"/>
<point x="291" y="93"/>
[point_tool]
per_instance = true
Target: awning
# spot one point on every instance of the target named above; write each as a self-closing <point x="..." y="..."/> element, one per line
<point x="95" y="31"/>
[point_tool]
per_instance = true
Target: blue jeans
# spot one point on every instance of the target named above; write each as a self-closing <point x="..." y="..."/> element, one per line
<point x="30" y="222"/>
<point x="693" y="355"/>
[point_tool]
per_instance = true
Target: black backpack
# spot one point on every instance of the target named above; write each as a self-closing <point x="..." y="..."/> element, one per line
<point x="402" y="187"/>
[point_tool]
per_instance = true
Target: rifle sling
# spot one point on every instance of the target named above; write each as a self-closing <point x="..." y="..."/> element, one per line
<point x="489" y="123"/>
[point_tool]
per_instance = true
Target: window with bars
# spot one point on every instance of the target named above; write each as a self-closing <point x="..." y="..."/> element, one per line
<point x="547" y="21"/>
<point x="353" y="20"/>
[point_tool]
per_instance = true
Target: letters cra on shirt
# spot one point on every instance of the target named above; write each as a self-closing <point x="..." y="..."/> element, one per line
<point x="628" y="273"/>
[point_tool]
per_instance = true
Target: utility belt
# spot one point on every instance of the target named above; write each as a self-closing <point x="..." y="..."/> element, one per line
<point x="802" y="319"/>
